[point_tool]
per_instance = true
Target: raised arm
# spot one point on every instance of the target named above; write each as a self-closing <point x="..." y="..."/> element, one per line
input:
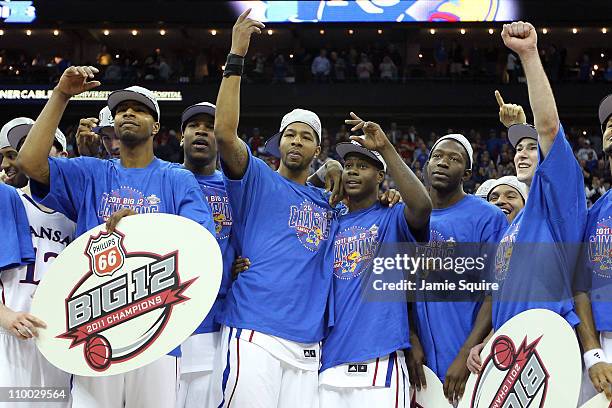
<point x="33" y="156"/>
<point x="233" y="151"/>
<point x="522" y="38"/>
<point x="413" y="192"/>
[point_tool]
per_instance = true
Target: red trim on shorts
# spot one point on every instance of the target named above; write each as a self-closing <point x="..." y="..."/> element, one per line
<point x="251" y="336"/>
<point x="375" y="372"/>
<point x="396" y="382"/>
<point x="237" y="371"/>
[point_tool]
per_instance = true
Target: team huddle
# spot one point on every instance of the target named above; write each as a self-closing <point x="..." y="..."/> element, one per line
<point x="290" y="327"/>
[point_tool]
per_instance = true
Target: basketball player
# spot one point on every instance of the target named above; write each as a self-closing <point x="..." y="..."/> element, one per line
<point x="509" y="194"/>
<point x="539" y="276"/>
<point x="51" y="232"/>
<point x="80" y="188"/>
<point x="362" y="357"/>
<point x="200" y="151"/>
<point x="556" y="209"/>
<point x="595" y="328"/>
<point x="275" y="313"/>
<point x="91" y="131"/>
<point x="448" y="330"/>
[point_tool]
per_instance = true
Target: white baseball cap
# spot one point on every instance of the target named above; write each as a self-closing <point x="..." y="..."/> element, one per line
<point x="105" y="119"/>
<point x="202" y="107"/>
<point x="15" y="130"/>
<point x="345" y="148"/>
<point x="296" y="115"/>
<point x="519" y="131"/>
<point x="605" y="111"/>
<point x="485" y="187"/>
<point x="134" y="93"/>
<point x="513" y="182"/>
<point x="462" y="140"/>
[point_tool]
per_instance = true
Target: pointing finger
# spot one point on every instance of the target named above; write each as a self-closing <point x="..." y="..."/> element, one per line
<point x="500" y="100"/>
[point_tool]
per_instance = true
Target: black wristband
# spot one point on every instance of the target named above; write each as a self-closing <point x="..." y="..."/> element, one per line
<point x="233" y="65"/>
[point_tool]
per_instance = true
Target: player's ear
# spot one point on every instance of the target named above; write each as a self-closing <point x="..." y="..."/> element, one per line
<point x="63" y="154"/>
<point x="155" y="128"/>
<point x="467" y="174"/>
<point x="182" y="140"/>
<point x="380" y="177"/>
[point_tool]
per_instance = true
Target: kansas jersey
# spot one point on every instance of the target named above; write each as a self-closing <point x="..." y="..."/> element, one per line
<point x="443" y="327"/>
<point x="214" y="191"/>
<point x="17" y="245"/>
<point x="50" y="233"/>
<point x="537" y="254"/>
<point x="597" y="259"/>
<point x="285" y="229"/>
<point x="364" y="329"/>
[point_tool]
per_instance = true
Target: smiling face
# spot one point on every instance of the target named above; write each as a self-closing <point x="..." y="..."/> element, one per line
<point x="361" y="176"/>
<point x="446" y="170"/>
<point x="507" y="199"/>
<point x="526" y="159"/>
<point x="134" y="123"/>
<point x="298" y="146"/>
<point x="607" y="137"/>
<point x="8" y="163"/>
<point x="199" y="142"/>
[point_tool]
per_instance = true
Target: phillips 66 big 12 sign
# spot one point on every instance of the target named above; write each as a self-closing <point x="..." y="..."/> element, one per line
<point x="114" y="302"/>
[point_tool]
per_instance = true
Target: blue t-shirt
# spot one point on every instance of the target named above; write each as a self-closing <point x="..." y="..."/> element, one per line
<point x="88" y="191"/>
<point x="285" y="229"/>
<point x="214" y="191"/>
<point x="365" y="329"/>
<point x="443" y="327"/>
<point x="597" y="261"/>
<point x="17" y="246"/>
<point x="536" y="257"/>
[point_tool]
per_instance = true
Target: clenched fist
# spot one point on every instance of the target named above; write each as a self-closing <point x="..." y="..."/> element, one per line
<point x="520" y="37"/>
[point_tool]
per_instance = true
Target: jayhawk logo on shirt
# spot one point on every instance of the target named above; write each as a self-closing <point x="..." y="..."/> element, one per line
<point x="221" y="210"/>
<point x="311" y="224"/>
<point x="600" y="248"/>
<point x="354" y="249"/>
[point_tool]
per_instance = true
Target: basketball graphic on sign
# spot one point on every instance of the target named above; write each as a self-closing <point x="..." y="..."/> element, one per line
<point x="98" y="352"/>
<point x="114" y="302"/>
<point x="533" y="360"/>
<point x="503" y="352"/>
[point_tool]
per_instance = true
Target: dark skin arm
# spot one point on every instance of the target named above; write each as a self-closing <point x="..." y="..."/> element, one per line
<point x="332" y="182"/>
<point x="415" y="356"/>
<point x="34" y="154"/>
<point x="413" y="192"/>
<point x="458" y="373"/>
<point x="233" y="151"/>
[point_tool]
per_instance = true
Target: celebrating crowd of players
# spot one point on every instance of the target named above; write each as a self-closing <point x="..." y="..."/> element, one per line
<point x="293" y="328"/>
